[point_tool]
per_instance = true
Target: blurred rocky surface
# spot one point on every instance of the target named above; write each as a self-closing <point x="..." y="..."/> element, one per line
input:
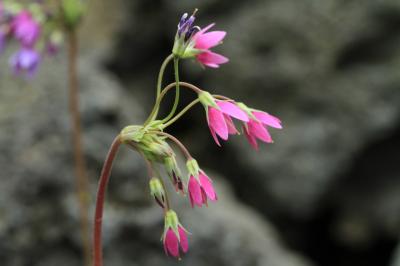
<point x="396" y="257"/>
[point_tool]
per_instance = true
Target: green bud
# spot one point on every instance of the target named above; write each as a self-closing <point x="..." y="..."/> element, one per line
<point x="171" y="165"/>
<point x="160" y="148"/>
<point x="193" y="167"/>
<point x="132" y="133"/>
<point x="207" y="99"/>
<point x="157" y="191"/>
<point x="73" y="11"/>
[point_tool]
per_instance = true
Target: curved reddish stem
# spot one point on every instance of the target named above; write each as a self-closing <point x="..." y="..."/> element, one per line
<point x="98" y="217"/>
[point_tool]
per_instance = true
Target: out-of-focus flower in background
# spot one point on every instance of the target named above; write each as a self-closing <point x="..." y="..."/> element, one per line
<point x="25" y="61"/>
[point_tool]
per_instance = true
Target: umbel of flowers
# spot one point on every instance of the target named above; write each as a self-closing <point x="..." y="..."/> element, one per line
<point x="37" y="27"/>
<point x="152" y="141"/>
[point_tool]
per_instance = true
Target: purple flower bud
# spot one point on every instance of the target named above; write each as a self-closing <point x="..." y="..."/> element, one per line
<point x="25" y="61"/>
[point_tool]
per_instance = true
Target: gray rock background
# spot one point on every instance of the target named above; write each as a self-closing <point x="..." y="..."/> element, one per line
<point x="327" y="192"/>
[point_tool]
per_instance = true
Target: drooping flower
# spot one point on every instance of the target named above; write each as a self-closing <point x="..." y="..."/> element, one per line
<point x="204" y="41"/>
<point x="200" y="187"/>
<point x="25" y="61"/>
<point x="219" y="116"/>
<point x="256" y="127"/>
<point x="175" y="235"/>
<point x="25" y="29"/>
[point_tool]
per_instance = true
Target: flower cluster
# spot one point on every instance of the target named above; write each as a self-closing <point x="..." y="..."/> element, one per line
<point x="34" y="27"/>
<point x="152" y="142"/>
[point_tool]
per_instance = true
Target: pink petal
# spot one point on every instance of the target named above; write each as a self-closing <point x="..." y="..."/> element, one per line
<point x="207" y="186"/>
<point x="252" y="140"/>
<point x="211" y="59"/>
<point x="216" y="121"/>
<point x="195" y="192"/>
<point x="209" y="39"/>
<point x="232" y="110"/>
<point x="183" y="239"/>
<point x="257" y="130"/>
<point x="215" y="136"/>
<point x="202" y="31"/>
<point x="231" y="126"/>
<point x="212" y="65"/>
<point x="171" y="243"/>
<point x="268" y="119"/>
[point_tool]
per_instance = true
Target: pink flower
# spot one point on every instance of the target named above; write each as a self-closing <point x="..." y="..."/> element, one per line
<point x="25" y="29"/>
<point x="220" y="120"/>
<point x="206" y="40"/>
<point x="256" y="129"/>
<point x="200" y="189"/>
<point x="174" y="235"/>
<point x="172" y="242"/>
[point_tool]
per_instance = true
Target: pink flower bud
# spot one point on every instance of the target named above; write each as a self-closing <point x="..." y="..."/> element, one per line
<point x="172" y="242"/>
<point x="200" y="190"/>
<point x="174" y="235"/>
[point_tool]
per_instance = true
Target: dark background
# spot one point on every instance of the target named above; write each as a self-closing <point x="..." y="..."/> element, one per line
<point x="326" y="193"/>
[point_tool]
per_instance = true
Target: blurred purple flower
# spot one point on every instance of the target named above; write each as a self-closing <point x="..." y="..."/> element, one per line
<point x="25" y="29"/>
<point x="25" y="61"/>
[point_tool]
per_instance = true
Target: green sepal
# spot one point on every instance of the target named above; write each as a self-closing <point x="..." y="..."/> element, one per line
<point x="193" y="167"/>
<point x="247" y="110"/>
<point x="157" y="189"/>
<point x="207" y="99"/>
<point x="171" y="165"/>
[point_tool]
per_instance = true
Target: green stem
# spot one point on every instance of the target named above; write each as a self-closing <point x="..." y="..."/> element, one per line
<point x="181" y="113"/>
<point x="159" y="84"/>
<point x="176" y="70"/>
<point x="177" y="142"/>
<point x="155" y="110"/>
<point x="161" y="74"/>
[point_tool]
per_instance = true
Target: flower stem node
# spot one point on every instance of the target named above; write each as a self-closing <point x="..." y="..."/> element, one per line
<point x="157" y="191"/>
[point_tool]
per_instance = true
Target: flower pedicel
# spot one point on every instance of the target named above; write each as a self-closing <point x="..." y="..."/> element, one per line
<point x="152" y="142"/>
